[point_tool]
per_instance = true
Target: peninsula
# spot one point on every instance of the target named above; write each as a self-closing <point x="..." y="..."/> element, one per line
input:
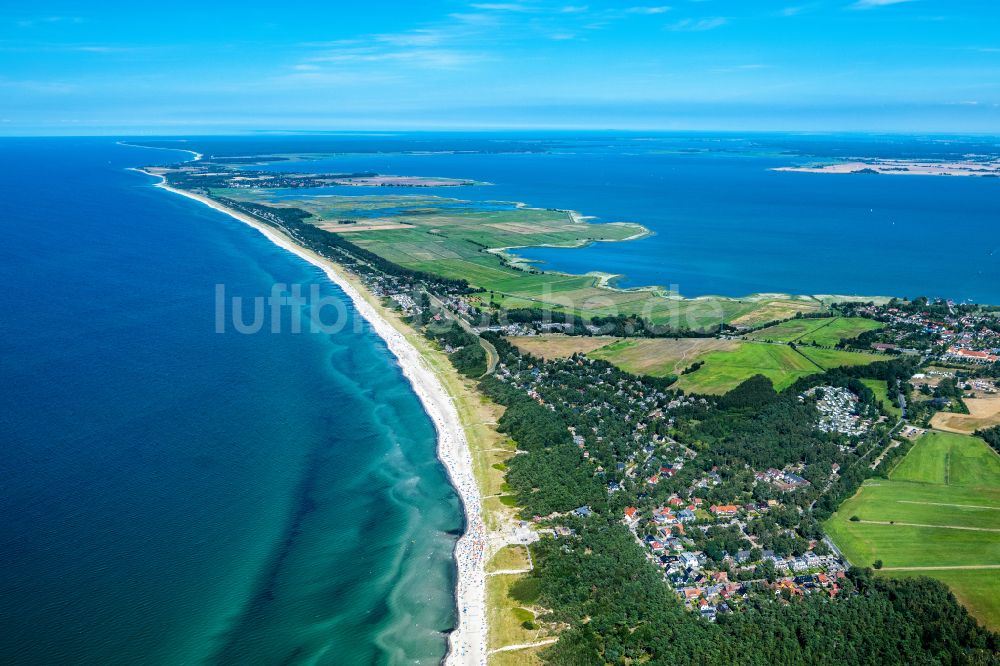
<point x="632" y="458"/>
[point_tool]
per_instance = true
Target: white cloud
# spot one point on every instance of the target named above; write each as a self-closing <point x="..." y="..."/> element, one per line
<point x="698" y="25"/>
<point x="741" y="68"/>
<point x="40" y="87"/>
<point x="648" y="10"/>
<point x="502" y="7"/>
<point x="422" y="58"/>
<point x="41" y="20"/>
<point x="872" y="4"/>
<point x="419" y="37"/>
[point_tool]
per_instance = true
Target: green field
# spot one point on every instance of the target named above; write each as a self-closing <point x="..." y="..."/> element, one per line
<point x="836" y="358"/>
<point x="947" y="490"/>
<point x="724" y="370"/>
<point x="825" y="332"/>
<point x="881" y="391"/>
<point x="659" y="357"/>
<point x="727" y="363"/>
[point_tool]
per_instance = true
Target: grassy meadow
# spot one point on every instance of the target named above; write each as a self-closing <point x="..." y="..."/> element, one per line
<point x="836" y="358"/>
<point x="727" y="363"/>
<point x="556" y="345"/>
<point x="938" y="514"/>
<point x="881" y="391"/>
<point x="825" y="332"/>
<point x="659" y="357"/>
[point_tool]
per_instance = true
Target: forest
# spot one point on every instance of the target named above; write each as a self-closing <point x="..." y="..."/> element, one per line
<point x="619" y="611"/>
<point x="597" y="579"/>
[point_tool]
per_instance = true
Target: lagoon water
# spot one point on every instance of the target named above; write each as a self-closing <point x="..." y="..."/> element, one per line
<point x="173" y="495"/>
<point x="725" y="223"/>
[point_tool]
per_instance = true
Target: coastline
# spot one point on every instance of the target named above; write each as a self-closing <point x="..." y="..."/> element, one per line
<point x="467" y="641"/>
<point x="197" y="156"/>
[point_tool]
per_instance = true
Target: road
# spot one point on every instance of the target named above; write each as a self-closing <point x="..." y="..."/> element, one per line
<point x="492" y="356"/>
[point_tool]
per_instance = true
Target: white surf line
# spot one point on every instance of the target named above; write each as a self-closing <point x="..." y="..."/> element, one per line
<point x="967" y="506"/>
<point x="896" y="523"/>
<point x="467" y="641"/>
<point x="197" y="155"/>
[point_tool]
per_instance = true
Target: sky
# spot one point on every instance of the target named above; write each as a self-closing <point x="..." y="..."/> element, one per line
<point x="215" y="67"/>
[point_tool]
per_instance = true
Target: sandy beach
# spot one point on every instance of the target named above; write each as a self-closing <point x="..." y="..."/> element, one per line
<point x="467" y="642"/>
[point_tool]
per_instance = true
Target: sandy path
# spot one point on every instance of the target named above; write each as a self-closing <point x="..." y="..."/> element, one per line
<point x="964" y="506"/>
<point x="964" y="566"/>
<point x="525" y="646"/>
<point x="942" y="527"/>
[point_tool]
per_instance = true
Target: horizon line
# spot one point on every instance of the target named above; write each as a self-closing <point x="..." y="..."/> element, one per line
<point x="501" y="129"/>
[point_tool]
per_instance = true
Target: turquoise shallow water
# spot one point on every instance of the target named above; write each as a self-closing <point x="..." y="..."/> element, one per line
<point x="172" y="495"/>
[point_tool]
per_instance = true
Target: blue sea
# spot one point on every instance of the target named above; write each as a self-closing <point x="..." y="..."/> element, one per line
<point x="174" y="495"/>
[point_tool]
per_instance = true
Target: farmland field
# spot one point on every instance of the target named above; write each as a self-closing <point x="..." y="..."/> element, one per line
<point x="727" y="363"/>
<point x="557" y="345"/>
<point x="825" y="332"/>
<point x="836" y="358"/>
<point x="938" y="515"/>
<point x="725" y="370"/>
<point x="984" y="412"/>
<point x="660" y="356"/>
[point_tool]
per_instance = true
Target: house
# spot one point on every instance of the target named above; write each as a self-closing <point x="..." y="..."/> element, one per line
<point x="663" y="515"/>
<point x="689" y="560"/>
<point x="631" y="515"/>
<point x="686" y="516"/>
<point x="972" y="355"/>
<point x="723" y="510"/>
<point x="582" y="511"/>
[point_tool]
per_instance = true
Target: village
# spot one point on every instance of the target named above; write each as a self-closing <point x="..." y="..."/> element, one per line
<point x="942" y="329"/>
<point x="718" y="544"/>
<point x="711" y="586"/>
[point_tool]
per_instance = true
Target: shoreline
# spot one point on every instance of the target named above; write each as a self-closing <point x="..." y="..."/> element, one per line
<point x="197" y="156"/>
<point x="467" y="641"/>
